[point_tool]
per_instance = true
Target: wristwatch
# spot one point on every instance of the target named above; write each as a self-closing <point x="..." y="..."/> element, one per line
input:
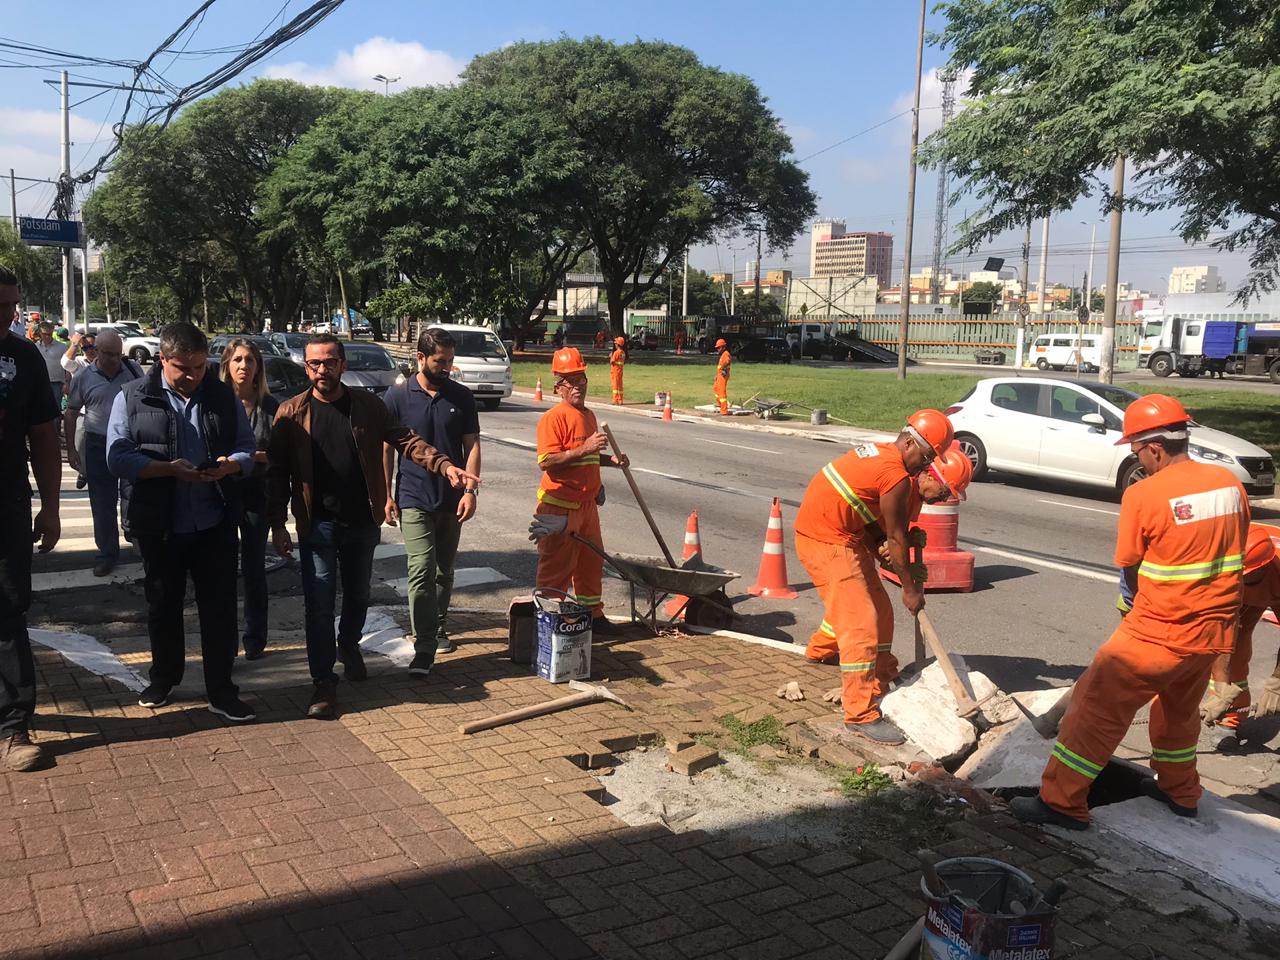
<point x="474" y="491"/>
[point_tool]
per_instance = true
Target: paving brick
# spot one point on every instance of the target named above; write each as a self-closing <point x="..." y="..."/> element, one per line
<point x="693" y="760"/>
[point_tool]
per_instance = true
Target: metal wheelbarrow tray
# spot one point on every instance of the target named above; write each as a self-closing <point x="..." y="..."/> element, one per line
<point x="697" y="579"/>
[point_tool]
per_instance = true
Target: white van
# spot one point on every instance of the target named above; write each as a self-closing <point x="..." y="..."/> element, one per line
<point x="481" y="363"/>
<point x="1061" y="351"/>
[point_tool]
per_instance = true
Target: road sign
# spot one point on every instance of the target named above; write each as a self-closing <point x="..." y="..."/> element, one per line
<point x="51" y="233"/>
<point x="1082" y="313"/>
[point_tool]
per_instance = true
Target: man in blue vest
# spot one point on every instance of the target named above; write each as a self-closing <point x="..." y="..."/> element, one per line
<point x="182" y="439"/>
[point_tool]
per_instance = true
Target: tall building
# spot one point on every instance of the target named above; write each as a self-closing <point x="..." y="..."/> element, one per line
<point x="834" y="252"/>
<point x="1195" y="280"/>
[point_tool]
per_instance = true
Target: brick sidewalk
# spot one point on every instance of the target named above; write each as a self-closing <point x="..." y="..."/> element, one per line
<point x="390" y="834"/>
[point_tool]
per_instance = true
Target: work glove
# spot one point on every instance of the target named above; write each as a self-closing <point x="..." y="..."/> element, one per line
<point x="791" y="691"/>
<point x="834" y="695"/>
<point x="1268" y="704"/>
<point x="918" y="537"/>
<point x="1123" y="605"/>
<point x="547" y="525"/>
<point x="1221" y="697"/>
<point x="600" y="498"/>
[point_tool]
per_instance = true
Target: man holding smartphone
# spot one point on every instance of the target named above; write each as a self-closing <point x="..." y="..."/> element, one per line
<point x="181" y="437"/>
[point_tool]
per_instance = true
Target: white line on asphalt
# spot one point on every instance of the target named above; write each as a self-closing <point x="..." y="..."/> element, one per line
<point x="1077" y="506"/>
<point x="1050" y="564"/>
<point x="740" y="446"/>
<point x="463" y="578"/>
<point x="519" y="443"/>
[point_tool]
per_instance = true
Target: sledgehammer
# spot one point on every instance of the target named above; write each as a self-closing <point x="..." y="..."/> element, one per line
<point x="589" y="693"/>
<point x="965" y="706"/>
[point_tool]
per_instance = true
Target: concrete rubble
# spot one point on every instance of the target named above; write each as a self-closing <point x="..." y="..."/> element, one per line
<point x="924" y="709"/>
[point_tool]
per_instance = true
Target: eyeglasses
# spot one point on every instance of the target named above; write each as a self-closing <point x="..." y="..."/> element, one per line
<point x="331" y="363"/>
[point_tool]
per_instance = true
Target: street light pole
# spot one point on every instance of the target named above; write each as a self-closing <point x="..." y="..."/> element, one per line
<point x="905" y="316"/>
<point x="1088" y="277"/>
<point x="386" y="83"/>
<point x="1106" y="364"/>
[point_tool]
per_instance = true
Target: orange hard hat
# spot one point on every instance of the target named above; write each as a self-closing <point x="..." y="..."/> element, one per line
<point x="931" y="430"/>
<point x="721" y="343"/>
<point x="620" y="340"/>
<point x="1259" y="546"/>
<point x="566" y="361"/>
<point x="954" y="469"/>
<point x="1155" y="415"/>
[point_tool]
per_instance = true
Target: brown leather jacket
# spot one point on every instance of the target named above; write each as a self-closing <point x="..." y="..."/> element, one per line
<point x="289" y="471"/>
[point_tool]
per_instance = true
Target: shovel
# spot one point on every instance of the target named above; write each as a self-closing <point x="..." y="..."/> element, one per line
<point x="644" y="507"/>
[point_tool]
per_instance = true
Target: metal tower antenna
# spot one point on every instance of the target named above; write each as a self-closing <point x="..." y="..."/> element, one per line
<point x="948" y="79"/>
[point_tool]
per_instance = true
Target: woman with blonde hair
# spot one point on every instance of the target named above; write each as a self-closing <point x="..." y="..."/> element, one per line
<point x="243" y="369"/>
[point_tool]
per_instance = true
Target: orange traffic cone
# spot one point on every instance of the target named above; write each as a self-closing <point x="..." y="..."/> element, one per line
<point x="537" y="389"/>
<point x="666" y="415"/>
<point x="771" y="581"/>
<point x="692" y="548"/>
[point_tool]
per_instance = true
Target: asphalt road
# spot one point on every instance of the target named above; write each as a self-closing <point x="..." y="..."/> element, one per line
<point x="1044" y="590"/>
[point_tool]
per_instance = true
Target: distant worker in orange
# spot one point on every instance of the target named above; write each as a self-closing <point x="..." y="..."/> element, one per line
<point x="599" y="339"/>
<point x="569" y="449"/>
<point x="1181" y="539"/>
<point x="721" y="386"/>
<point x="1229" y="698"/>
<point x="681" y="339"/>
<point x="849" y="504"/>
<point x="617" y="360"/>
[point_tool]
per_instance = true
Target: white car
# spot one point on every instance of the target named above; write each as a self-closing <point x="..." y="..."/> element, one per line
<point x="481" y="363"/>
<point x="1067" y="429"/>
<point x="137" y="346"/>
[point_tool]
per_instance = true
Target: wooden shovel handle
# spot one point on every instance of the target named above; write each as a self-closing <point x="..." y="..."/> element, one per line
<point x="965" y="706"/>
<point x="644" y="507"/>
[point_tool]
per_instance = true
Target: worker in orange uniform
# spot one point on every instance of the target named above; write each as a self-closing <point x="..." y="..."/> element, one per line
<point x="681" y="337"/>
<point x="599" y="339"/>
<point x="1229" y="698"/>
<point x="1181" y="539"/>
<point x="847" y="503"/>
<point x="569" y="455"/>
<point x="721" y="386"/>
<point x="617" y="360"/>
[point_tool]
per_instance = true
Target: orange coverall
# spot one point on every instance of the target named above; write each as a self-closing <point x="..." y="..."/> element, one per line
<point x="570" y="491"/>
<point x="1234" y="668"/>
<point x="721" y="386"/>
<point x="1184" y="528"/>
<point x="842" y="500"/>
<point x="616" y="361"/>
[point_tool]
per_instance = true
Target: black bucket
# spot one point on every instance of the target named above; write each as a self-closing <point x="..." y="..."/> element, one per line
<point x="989" y="911"/>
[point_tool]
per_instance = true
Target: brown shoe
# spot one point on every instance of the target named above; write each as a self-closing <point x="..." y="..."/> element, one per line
<point x="19" y="753"/>
<point x="324" y="701"/>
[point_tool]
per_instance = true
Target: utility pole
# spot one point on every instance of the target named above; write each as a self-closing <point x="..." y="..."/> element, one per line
<point x="733" y="286"/>
<point x="948" y="78"/>
<point x="1088" y="277"/>
<point x="106" y="291"/>
<point x="13" y="197"/>
<point x="1044" y="264"/>
<point x="684" y="296"/>
<point x="84" y="279"/>
<point x="68" y="281"/>
<point x="905" y="317"/>
<point x="1106" y="366"/>
<point x="1020" y="335"/>
<point x="758" y="271"/>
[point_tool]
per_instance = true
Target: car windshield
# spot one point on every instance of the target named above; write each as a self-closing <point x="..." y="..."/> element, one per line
<point x="1118" y="398"/>
<point x="368" y="357"/>
<point x="295" y="339"/>
<point x="285" y="372"/>
<point x="479" y="343"/>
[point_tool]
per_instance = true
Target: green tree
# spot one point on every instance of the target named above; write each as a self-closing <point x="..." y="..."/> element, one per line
<point x="668" y="152"/>
<point x="39" y="270"/>
<point x="984" y="291"/>
<point x="1186" y="90"/>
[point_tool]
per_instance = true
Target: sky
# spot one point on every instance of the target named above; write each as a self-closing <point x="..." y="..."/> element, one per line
<point x="830" y="70"/>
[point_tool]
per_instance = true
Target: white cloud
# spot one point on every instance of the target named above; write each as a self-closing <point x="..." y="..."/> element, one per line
<point x="930" y="103"/>
<point x="414" y="64"/>
<point x="44" y="125"/>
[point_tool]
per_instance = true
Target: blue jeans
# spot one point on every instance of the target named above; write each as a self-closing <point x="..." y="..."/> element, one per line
<point x="329" y="553"/>
<point x="104" y="497"/>
<point x="253" y="569"/>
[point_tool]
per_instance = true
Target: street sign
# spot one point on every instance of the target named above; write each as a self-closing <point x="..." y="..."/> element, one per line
<point x="51" y="233"/>
<point x="1082" y="313"/>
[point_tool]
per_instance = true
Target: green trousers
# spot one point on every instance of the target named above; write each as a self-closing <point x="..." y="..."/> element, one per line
<point x="431" y="541"/>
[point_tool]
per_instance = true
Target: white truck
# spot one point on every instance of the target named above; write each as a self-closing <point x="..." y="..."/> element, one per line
<point x="1192" y="346"/>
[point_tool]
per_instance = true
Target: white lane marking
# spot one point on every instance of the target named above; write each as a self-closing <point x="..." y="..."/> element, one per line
<point x="463" y="578"/>
<point x="519" y="443"/>
<point x="721" y="488"/>
<point x="1077" y="506"/>
<point x="741" y="446"/>
<point x="656" y="473"/>
<point x="1051" y="564"/>
<point x="88" y="652"/>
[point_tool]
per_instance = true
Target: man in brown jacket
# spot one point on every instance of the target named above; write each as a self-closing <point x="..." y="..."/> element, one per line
<point x="326" y="454"/>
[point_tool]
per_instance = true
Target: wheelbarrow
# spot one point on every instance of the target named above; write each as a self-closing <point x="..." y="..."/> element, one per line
<point x="701" y="583"/>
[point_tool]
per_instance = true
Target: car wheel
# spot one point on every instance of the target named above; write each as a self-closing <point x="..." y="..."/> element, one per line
<point x="1130" y="474"/>
<point x="1161" y="366"/>
<point x="140" y="355"/>
<point x="490" y="403"/>
<point x="1042" y="364"/>
<point x="972" y="448"/>
<point x="1274" y="372"/>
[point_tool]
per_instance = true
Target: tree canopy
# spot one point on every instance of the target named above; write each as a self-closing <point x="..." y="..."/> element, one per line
<point x="1187" y="90"/>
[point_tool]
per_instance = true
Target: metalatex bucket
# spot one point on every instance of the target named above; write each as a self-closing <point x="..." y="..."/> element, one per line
<point x="564" y="638"/>
<point x="991" y="911"/>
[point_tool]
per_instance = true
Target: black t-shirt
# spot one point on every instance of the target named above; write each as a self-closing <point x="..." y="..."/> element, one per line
<point x="341" y="493"/>
<point x="25" y="402"/>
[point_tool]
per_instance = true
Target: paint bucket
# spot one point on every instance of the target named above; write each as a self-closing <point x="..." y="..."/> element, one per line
<point x="988" y="911"/>
<point x="659" y="399"/>
<point x="564" y="637"/>
<point x="522" y="629"/>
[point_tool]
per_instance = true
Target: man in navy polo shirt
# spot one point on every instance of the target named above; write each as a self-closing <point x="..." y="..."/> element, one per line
<point x="430" y="511"/>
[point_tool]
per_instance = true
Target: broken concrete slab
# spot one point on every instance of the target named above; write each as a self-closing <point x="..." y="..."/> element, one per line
<point x="88" y="652"/>
<point x="1010" y="755"/>
<point x="1038" y="702"/>
<point x="924" y="709"/>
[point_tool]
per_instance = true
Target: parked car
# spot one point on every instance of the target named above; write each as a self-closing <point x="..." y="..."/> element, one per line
<point x="481" y="363"/>
<point x="1061" y="351"/>
<point x="765" y="350"/>
<point x="285" y="378"/>
<point x="371" y="368"/>
<point x="294" y="344"/>
<point x="642" y="338"/>
<point x="137" y="347"/>
<point x="266" y="344"/>
<point x="1067" y="430"/>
